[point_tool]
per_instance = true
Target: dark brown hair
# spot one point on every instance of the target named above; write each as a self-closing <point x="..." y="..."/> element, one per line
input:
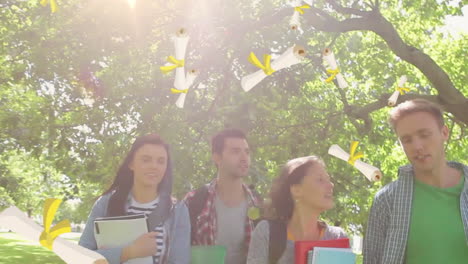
<point x="414" y="106"/>
<point x="292" y="173"/>
<point x="123" y="181"/>
<point x="217" y="142"/>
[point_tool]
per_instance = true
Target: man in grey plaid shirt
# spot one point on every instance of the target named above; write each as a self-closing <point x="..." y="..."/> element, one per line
<point x="422" y="217"/>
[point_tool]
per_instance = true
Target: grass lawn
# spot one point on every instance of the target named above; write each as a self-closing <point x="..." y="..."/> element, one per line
<point x="16" y="250"/>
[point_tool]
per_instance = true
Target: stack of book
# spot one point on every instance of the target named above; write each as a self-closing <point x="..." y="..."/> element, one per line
<point x="324" y="252"/>
<point x="323" y="255"/>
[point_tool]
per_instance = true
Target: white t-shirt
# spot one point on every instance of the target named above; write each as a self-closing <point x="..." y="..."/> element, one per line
<point x="135" y="207"/>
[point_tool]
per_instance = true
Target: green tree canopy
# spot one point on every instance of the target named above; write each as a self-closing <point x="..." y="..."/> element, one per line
<point x="78" y="85"/>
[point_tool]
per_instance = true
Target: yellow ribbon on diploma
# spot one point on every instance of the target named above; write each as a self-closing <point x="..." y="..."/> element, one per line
<point x="402" y="90"/>
<point x="53" y="5"/>
<point x="175" y="64"/>
<point x="332" y="74"/>
<point x="300" y="8"/>
<point x="49" y="234"/>
<point x="266" y="67"/>
<point x="176" y="91"/>
<point x="352" y="155"/>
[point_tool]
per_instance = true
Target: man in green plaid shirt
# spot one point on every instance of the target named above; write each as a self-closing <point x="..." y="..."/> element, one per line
<point x="422" y="217"/>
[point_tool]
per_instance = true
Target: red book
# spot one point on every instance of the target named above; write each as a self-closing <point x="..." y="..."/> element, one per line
<point x="301" y="248"/>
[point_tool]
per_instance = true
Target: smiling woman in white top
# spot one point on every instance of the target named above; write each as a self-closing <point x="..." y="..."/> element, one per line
<point x="298" y="196"/>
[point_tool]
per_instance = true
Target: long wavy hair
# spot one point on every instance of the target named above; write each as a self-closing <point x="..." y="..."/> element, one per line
<point x="281" y="204"/>
<point x="123" y="181"/>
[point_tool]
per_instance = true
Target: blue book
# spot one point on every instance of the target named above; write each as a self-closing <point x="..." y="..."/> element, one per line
<point x="324" y="255"/>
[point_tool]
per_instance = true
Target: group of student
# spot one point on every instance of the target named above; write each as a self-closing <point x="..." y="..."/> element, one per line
<point x="422" y="217"/>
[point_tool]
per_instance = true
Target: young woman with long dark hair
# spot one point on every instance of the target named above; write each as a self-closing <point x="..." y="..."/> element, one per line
<point x="143" y="184"/>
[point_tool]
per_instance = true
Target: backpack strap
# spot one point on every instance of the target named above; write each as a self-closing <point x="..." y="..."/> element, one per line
<point x="277" y="241"/>
<point x="256" y="194"/>
<point x="195" y="206"/>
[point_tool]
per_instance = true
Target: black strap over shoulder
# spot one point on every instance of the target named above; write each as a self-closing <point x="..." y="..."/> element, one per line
<point x="197" y="202"/>
<point x="277" y="241"/>
<point x="195" y="206"/>
<point x="256" y="194"/>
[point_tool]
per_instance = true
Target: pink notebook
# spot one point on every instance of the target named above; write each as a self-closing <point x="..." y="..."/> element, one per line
<point x="301" y="248"/>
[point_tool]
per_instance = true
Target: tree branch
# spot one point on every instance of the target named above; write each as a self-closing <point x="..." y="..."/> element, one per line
<point x="346" y="10"/>
<point x="7" y="5"/>
<point x="362" y="112"/>
<point x="449" y="97"/>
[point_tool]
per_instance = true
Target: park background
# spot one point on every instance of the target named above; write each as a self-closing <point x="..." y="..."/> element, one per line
<point x="79" y="84"/>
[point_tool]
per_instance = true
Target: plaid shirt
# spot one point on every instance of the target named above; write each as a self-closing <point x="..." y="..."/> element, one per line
<point x="390" y="215"/>
<point x="206" y="224"/>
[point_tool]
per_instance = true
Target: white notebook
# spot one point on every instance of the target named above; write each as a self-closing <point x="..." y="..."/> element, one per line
<point x="120" y="231"/>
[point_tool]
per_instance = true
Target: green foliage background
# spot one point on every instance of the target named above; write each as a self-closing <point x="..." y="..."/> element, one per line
<point x="58" y="140"/>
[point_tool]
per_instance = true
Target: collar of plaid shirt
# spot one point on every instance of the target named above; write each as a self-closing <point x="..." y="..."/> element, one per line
<point x="206" y="223"/>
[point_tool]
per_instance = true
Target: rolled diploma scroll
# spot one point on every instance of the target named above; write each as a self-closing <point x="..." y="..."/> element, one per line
<point x="295" y="22"/>
<point x="291" y="56"/>
<point x="14" y="219"/>
<point x="295" y="3"/>
<point x="371" y="172"/>
<point x="392" y="100"/>
<point x="330" y="59"/>
<point x="191" y="75"/>
<point x="180" y="42"/>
